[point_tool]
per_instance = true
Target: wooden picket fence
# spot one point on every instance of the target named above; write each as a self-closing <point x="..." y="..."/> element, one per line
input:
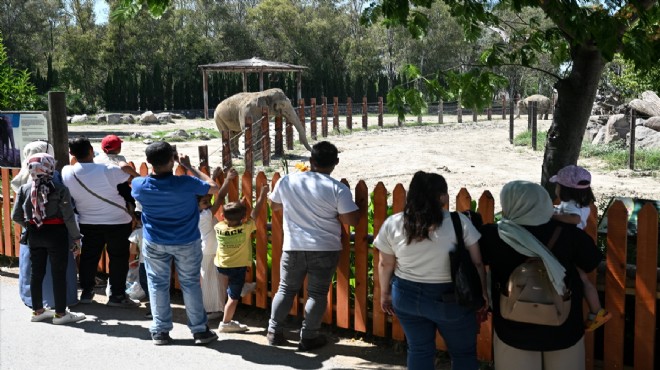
<point x="356" y="307"/>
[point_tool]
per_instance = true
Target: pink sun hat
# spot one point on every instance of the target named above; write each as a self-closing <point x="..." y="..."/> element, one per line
<point x="573" y="176"/>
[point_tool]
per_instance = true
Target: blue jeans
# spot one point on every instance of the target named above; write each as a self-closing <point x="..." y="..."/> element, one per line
<point x="187" y="261"/>
<point x="421" y="311"/>
<point x="319" y="267"/>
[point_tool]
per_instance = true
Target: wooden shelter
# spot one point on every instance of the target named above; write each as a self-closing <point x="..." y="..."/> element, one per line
<point x="246" y="66"/>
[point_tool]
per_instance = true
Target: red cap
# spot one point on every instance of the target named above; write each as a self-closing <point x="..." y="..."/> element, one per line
<point x="111" y="142"/>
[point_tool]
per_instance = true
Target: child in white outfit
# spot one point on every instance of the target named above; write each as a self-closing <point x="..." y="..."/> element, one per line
<point x="213" y="288"/>
<point x="574" y="190"/>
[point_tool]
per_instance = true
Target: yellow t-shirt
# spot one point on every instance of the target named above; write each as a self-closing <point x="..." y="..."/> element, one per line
<point x="234" y="244"/>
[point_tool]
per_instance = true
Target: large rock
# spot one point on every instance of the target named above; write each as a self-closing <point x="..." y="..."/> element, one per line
<point x="616" y="129"/>
<point x="128" y="118"/>
<point x="177" y="134"/>
<point x="648" y="105"/>
<point x="653" y="123"/>
<point x="113" y="118"/>
<point x="148" y="117"/>
<point x="645" y="138"/>
<point x="164" y="118"/>
<point x="79" y="118"/>
<point x="593" y="126"/>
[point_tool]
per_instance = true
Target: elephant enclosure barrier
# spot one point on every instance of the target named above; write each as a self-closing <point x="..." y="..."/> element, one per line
<point x="355" y="292"/>
<point x="317" y="119"/>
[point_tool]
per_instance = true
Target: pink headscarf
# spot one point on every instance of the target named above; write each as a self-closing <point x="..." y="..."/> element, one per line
<point x="41" y="167"/>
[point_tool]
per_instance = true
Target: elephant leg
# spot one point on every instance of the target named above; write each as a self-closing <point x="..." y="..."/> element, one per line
<point x="233" y="143"/>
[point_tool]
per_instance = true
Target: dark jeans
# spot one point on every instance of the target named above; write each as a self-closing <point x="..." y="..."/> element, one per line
<point x="142" y="278"/>
<point x="49" y="242"/>
<point x="115" y="239"/>
<point x="236" y="277"/>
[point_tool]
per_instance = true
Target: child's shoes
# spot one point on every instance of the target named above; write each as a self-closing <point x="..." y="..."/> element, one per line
<point x="44" y="315"/>
<point x="594" y="321"/>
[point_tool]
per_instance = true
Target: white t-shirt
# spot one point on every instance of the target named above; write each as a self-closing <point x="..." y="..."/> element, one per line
<point x="425" y="261"/>
<point x="102" y="180"/>
<point x="312" y="202"/>
<point x="106" y="158"/>
<point x="136" y="238"/>
<point x="571" y="208"/>
<point x="209" y="241"/>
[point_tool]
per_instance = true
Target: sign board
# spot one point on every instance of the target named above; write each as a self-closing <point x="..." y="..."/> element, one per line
<point x="633" y="205"/>
<point x="17" y="129"/>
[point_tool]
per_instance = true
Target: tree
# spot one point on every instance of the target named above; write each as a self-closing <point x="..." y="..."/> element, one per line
<point x="16" y="90"/>
<point x="583" y="42"/>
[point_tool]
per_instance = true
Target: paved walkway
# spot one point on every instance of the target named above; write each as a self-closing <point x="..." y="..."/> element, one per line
<point x="118" y="338"/>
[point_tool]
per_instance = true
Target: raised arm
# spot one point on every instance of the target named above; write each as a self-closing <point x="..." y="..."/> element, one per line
<point x="260" y="202"/>
<point x="128" y="169"/>
<point x="184" y="161"/>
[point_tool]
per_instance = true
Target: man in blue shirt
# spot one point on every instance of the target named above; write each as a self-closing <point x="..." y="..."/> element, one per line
<point x="170" y="218"/>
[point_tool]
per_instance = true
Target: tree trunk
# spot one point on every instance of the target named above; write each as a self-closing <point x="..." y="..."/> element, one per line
<point x="576" y="95"/>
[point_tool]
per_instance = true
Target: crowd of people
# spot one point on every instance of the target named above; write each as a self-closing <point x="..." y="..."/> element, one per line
<point x="100" y="202"/>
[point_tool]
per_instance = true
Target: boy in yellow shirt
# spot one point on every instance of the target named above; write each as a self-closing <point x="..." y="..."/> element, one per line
<point x="234" y="255"/>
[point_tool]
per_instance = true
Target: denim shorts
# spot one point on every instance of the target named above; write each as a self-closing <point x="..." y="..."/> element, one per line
<point x="236" y="277"/>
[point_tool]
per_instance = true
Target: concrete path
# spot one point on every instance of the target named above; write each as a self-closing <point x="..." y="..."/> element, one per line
<point x="117" y="338"/>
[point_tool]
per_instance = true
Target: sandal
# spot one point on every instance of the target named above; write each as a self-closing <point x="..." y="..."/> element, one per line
<point x="594" y="321"/>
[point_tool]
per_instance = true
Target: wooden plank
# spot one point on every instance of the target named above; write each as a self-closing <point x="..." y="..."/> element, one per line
<point x="398" y="203"/>
<point x="615" y="285"/>
<point x="463" y="200"/>
<point x="262" y="248"/>
<point x="361" y="258"/>
<point x="589" y="339"/>
<point x="343" y="276"/>
<point x="249" y="145"/>
<point x="486" y="207"/>
<point x="485" y="340"/>
<point x="380" y="214"/>
<point x="335" y="114"/>
<point x="349" y="113"/>
<point x="365" y="113"/>
<point x="276" y="240"/>
<point x="144" y="169"/>
<point x="312" y="118"/>
<point x="646" y="284"/>
<point x="264" y="138"/>
<point x="246" y="187"/>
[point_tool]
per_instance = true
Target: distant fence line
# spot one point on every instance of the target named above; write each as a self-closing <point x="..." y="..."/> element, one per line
<point x="353" y="306"/>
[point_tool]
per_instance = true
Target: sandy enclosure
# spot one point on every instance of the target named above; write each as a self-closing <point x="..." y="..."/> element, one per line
<point x="476" y="156"/>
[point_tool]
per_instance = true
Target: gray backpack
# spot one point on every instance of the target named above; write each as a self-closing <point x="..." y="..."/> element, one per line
<point x="530" y="297"/>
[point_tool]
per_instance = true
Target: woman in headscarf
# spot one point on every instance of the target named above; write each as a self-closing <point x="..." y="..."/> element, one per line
<point x="415" y="275"/>
<point x="525" y="231"/>
<point x="25" y="266"/>
<point x="44" y="208"/>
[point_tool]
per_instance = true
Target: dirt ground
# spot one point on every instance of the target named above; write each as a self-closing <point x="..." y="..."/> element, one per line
<point x="476" y="156"/>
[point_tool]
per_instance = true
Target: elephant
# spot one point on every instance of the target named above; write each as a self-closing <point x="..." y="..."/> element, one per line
<point x="230" y="113"/>
<point x="543" y="106"/>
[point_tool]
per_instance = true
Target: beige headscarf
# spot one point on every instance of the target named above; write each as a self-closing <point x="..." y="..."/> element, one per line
<point x="527" y="203"/>
<point x="24" y="175"/>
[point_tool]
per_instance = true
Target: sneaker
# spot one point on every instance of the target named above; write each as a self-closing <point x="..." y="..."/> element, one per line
<point x="248" y="288"/>
<point x="67" y="318"/>
<point x="232" y="327"/>
<point x="594" y="321"/>
<point x="205" y="337"/>
<point x="308" y="344"/>
<point x="46" y="314"/>
<point x="123" y="302"/>
<point x="214" y="315"/>
<point x="160" y="339"/>
<point x="86" y="297"/>
<point x="276" y="339"/>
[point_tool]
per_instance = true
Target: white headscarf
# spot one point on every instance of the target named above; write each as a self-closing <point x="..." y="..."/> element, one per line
<point x="527" y="203"/>
<point x="23" y="176"/>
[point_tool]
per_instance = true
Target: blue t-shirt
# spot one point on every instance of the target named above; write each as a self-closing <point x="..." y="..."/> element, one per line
<point x="170" y="213"/>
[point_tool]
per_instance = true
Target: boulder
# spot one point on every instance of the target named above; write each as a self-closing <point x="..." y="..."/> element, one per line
<point x="177" y="134"/>
<point x="164" y="118"/>
<point x="102" y="119"/>
<point x="653" y="123"/>
<point x="616" y="128"/>
<point x="113" y="118"/>
<point x="593" y="126"/>
<point x="148" y="117"/>
<point x="128" y="118"/>
<point x="648" y="105"/>
<point x="79" y="118"/>
<point x="645" y="138"/>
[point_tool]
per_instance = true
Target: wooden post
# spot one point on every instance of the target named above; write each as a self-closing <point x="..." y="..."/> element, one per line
<point x="529" y="116"/>
<point x="503" y="107"/>
<point x="289" y="135"/>
<point x="324" y="116"/>
<point x="335" y="114"/>
<point x="533" y="115"/>
<point x="279" y="146"/>
<point x="226" y="150"/>
<point x="265" y="137"/>
<point x="631" y="156"/>
<point x="205" y="87"/>
<point x="380" y="111"/>
<point x="511" y="103"/>
<point x="349" y="113"/>
<point x="203" y="151"/>
<point x="489" y="111"/>
<point x="312" y="117"/>
<point x="440" y="112"/>
<point x="249" y="152"/>
<point x="58" y="131"/>
<point x="474" y="114"/>
<point x="365" y="117"/>
<point x="459" y="111"/>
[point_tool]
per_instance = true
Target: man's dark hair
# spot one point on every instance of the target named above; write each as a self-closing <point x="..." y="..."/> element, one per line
<point x="79" y="146"/>
<point x="325" y="154"/>
<point x="159" y="153"/>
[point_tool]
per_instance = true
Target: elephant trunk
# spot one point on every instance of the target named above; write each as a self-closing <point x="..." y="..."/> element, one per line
<point x="291" y="116"/>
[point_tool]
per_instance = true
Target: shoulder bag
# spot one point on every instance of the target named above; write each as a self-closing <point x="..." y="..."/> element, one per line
<point x="101" y="198"/>
<point x="467" y="283"/>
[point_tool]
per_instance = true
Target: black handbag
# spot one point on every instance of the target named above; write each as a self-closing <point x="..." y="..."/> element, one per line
<point x="467" y="283"/>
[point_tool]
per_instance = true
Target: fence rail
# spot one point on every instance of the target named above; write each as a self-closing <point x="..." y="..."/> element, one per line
<point x="352" y="305"/>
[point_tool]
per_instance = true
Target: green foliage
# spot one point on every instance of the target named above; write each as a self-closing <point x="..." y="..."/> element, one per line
<point x="621" y="80"/>
<point x="615" y="155"/>
<point x="525" y="139"/>
<point x="16" y="90"/>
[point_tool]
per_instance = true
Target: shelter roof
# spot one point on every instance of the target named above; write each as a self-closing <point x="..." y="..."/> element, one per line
<point x="251" y="65"/>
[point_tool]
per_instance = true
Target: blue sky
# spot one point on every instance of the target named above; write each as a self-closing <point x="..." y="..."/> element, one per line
<point x="101" y="10"/>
